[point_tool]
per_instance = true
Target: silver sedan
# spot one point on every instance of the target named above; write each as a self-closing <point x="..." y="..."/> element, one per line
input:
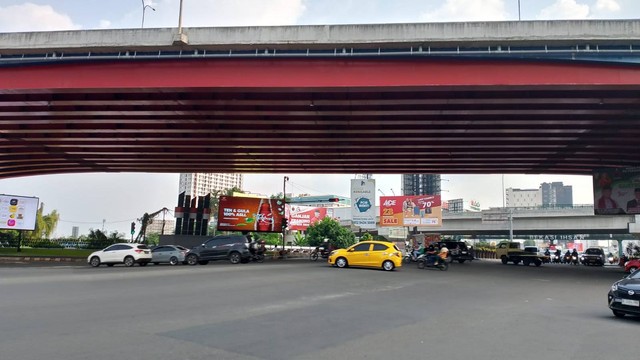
<point x="172" y="254"/>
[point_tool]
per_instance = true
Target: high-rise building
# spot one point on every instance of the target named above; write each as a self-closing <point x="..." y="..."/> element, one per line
<point x="523" y="197"/>
<point x="420" y="184"/>
<point x="75" y="232"/>
<point x="201" y="184"/>
<point x="556" y="194"/>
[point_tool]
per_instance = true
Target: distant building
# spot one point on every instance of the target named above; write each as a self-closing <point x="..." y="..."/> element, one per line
<point x="364" y="176"/>
<point x="201" y="184"/>
<point x="75" y="232"/>
<point x="155" y="226"/>
<point x="421" y="184"/>
<point x="523" y="197"/>
<point x="556" y="194"/>
<point x="456" y="205"/>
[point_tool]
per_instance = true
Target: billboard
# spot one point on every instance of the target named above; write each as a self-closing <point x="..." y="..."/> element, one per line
<point x="616" y="191"/>
<point x="18" y="212"/>
<point x="300" y="217"/>
<point x="362" y="203"/>
<point x="419" y="211"/>
<point x="250" y="214"/>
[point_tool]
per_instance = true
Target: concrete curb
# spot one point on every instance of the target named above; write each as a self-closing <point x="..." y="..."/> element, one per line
<point x="39" y="259"/>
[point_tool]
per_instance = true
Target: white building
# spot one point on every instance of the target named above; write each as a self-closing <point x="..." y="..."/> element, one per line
<point x="201" y="184"/>
<point x="523" y="197"/>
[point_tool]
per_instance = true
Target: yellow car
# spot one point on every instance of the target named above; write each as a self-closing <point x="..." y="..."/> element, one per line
<point x="377" y="254"/>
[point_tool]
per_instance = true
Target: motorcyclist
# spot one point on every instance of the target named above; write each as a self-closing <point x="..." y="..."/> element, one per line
<point x="567" y="256"/>
<point x="432" y="254"/>
<point x="443" y="254"/>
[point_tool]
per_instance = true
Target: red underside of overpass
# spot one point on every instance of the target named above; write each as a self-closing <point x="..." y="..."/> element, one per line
<point x="318" y="116"/>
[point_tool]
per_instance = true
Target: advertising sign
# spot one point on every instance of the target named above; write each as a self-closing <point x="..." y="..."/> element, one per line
<point x="419" y="211"/>
<point x="616" y="191"/>
<point x="300" y="217"/>
<point x="363" y="203"/>
<point x="18" y="212"/>
<point x="250" y="214"/>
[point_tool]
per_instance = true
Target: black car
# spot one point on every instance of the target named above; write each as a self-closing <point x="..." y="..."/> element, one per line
<point x="458" y="251"/>
<point x="624" y="296"/>
<point x="593" y="256"/>
<point x="234" y="248"/>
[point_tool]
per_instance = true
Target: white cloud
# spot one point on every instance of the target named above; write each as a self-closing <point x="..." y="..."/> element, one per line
<point x="104" y="24"/>
<point x="468" y="10"/>
<point x="608" y="5"/>
<point x="565" y="10"/>
<point x="32" y="17"/>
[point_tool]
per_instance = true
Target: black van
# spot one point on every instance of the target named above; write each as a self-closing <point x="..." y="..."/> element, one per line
<point x="458" y="251"/>
<point x="234" y="248"/>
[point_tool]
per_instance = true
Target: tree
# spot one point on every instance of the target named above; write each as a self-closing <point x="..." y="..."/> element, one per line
<point x="330" y="229"/>
<point x="366" y="237"/>
<point x="45" y="224"/>
<point x="300" y="239"/>
<point x="269" y="238"/>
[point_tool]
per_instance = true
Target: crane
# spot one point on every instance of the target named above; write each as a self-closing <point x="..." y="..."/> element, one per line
<point x="147" y="219"/>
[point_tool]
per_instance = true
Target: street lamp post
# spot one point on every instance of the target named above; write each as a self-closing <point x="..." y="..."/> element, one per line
<point x="144" y="8"/>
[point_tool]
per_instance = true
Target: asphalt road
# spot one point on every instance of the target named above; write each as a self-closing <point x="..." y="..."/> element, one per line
<point x="304" y="310"/>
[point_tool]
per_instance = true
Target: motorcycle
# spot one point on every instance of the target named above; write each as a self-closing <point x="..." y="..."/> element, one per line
<point x="574" y="260"/>
<point x="409" y="257"/>
<point x="424" y="262"/>
<point x="317" y="252"/>
<point x="257" y="253"/>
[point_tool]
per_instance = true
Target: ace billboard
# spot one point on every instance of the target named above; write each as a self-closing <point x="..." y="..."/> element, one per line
<point x="410" y="211"/>
<point x="250" y="214"/>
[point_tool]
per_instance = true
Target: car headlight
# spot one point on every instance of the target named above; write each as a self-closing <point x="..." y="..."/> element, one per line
<point x="614" y="287"/>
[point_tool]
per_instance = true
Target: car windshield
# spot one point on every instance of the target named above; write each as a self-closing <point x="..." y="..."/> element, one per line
<point x="634" y="275"/>
<point x="593" y="252"/>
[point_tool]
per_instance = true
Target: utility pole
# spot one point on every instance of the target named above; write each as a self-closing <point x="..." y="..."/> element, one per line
<point x="519" y="17"/>
<point x="284" y="206"/>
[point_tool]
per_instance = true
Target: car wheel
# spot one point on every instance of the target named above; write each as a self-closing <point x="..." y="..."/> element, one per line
<point x="234" y="258"/>
<point x="143" y="264"/>
<point x="95" y="261"/>
<point x="537" y="263"/>
<point x="421" y="264"/>
<point x="388" y="265"/>
<point x="192" y="259"/>
<point x="504" y="260"/>
<point x="129" y="261"/>
<point x="461" y="261"/>
<point x="173" y="260"/>
<point x="203" y="262"/>
<point x="341" y="262"/>
<point x="618" y="313"/>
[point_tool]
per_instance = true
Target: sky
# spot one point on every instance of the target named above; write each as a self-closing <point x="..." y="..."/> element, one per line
<point x="111" y="201"/>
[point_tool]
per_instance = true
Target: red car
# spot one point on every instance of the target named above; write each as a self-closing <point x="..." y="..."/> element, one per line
<point x="632" y="265"/>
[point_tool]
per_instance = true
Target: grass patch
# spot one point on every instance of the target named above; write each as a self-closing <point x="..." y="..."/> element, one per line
<point x="46" y="252"/>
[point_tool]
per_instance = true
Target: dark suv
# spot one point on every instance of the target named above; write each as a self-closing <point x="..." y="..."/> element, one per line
<point x="593" y="256"/>
<point x="458" y="251"/>
<point x="235" y="248"/>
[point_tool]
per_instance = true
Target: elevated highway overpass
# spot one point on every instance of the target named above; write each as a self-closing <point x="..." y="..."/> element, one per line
<point x="506" y="97"/>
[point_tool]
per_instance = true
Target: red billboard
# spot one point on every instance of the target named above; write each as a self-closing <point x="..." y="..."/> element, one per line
<point x="300" y="217"/>
<point x="250" y="214"/>
<point x="419" y="211"/>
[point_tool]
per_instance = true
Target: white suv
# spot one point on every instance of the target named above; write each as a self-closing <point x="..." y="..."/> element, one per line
<point x="127" y="254"/>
